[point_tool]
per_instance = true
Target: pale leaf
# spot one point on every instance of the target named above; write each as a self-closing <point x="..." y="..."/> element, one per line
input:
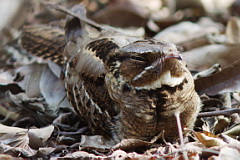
<point x="43" y="133"/>
<point x="96" y="141"/>
<point x="233" y="31"/>
<point x="209" y="141"/>
<point x="227" y="153"/>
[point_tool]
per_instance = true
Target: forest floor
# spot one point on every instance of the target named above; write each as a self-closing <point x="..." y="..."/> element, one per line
<point x="37" y="121"/>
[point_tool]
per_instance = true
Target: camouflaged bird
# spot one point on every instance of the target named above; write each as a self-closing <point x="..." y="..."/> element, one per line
<point x="122" y="86"/>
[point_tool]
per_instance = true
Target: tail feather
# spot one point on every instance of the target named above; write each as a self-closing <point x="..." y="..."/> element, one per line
<point x="49" y="42"/>
<point x="44" y="41"/>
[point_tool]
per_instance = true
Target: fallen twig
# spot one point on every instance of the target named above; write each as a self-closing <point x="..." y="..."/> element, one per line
<point x="226" y="112"/>
<point x="195" y="42"/>
<point x="226" y="78"/>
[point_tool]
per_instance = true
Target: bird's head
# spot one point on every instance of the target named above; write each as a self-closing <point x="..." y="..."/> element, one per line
<point x="146" y="65"/>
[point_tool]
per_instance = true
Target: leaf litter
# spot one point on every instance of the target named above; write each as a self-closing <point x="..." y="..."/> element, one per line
<point x="38" y="121"/>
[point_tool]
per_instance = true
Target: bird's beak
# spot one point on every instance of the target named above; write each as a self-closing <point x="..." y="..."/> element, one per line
<point x="177" y="56"/>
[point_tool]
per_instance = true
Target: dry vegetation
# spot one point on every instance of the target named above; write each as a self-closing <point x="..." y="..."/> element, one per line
<point x="37" y="120"/>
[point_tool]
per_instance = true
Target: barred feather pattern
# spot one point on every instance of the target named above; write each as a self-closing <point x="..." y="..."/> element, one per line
<point x="90" y="99"/>
<point x="120" y="85"/>
<point x="83" y="72"/>
<point x="44" y="41"/>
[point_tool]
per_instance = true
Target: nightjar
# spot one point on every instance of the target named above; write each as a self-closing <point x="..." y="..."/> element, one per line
<point x="122" y="86"/>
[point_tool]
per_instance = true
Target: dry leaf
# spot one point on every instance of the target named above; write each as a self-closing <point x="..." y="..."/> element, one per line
<point x="233" y="143"/>
<point x="234" y="131"/>
<point x="234" y="9"/>
<point x="167" y="150"/>
<point x="32" y="74"/>
<point x="227" y="153"/>
<point x="56" y="69"/>
<point x="12" y="87"/>
<point x="209" y="140"/>
<point x="16" y="151"/>
<point x="221" y="124"/>
<point x="127" y="144"/>
<point x="80" y="155"/>
<point x="193" y="147"/>
<point x="6" y="129"/>
<point x="216" y="6"/>
<point x="184" y="31"/>
<point x="15" y="140"/>
<point x="45" y="151"/>
<point x="119" y="154"/>
<point x="24" y="103"/>
<point x="11" y="21"/>
<point x="7" y="83"/>
<point x="8" y="157"/>
<point x="42" y="133"/>
<point x="233" y="31"/>
<point x="52" y="89"/>
<point x="150" y="5"/>
<point x="43" y="80"/>
<point x="132" y="31"/>
<point x="227" y="80"/>
<point x="14" y="137"/>
<point x="215" y="53"/>
<point x="126" y="15"/>
<point x="97" y="141"/>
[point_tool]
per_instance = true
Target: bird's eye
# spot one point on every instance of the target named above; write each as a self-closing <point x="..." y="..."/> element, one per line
<point x="138" y="58"/>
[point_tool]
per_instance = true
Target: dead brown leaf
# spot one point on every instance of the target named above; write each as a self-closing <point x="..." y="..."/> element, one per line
<point x="228" y="153"/>
<point x="226" y="80"/>
<point x="32" y="74"/>
<point x="51" y="88"/>
<point x="6" y="157"/>
<point x="222" y="124"/>
<point x="11" y="21"/>
<point x="231" y="142"/>
<point x="208" y="139"/>
<point x="7" y="83"/>
<point x="96" y="141"/>
<point x="80" y="155"/>
<point x="127" y="144"/>
<point x="15" y="141"/>
<point x="44" y="99"/>
<point x="233" y="31"/>
<point x="184" y="32"/>
<point x="234" y="131"/>
<point x="121" y="16"/>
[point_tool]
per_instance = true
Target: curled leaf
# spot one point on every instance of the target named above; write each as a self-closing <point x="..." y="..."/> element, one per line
<point x="131" y="144"/>
<point x="208" y="139"/>
<point x="233" y="31"/>
<point x="234" y="131"/>
<point x="224" y="81"/>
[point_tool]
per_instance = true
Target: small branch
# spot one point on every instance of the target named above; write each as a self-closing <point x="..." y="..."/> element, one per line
<point x="194" y="43"/>
<point x="226" y="78"/>
<point x="227" y="112"/>
<point x="177" y="116"/>
<point x="208" y="72"/>
<point x="69" y="12"/>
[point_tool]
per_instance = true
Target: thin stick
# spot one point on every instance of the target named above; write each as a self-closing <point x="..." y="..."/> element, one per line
<point x="213" y="84"/>
<point x="226" y="112"/>
<point x="177" y="115"/>
<point x="195" y="42"/>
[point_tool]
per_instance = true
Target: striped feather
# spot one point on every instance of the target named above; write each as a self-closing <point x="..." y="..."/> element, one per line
<point x="44" y="41"/>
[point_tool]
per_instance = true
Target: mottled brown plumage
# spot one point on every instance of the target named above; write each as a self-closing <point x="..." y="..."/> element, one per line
<point x="44" y="41"/>
<point x="122" y="86"/>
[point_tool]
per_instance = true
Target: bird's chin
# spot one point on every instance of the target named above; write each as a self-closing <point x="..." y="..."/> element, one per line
<point x="164" y="79"/>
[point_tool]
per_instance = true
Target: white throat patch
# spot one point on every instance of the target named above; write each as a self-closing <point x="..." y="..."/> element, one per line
<point x="165" y="79"/>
